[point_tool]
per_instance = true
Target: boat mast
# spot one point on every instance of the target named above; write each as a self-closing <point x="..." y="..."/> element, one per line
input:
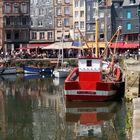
<point x="97" y="30"/>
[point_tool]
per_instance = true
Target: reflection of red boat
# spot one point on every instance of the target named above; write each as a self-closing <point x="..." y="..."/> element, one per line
<point x="89" y="117"/>
<point x="90" y="112"/>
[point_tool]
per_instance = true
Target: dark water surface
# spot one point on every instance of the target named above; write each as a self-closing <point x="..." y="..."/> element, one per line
<point x="34" y="108"/>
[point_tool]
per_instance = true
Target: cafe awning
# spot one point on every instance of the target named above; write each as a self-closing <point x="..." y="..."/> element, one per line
<point x="123" y="45"/>
<point x="93" y="45"/>
<point x="60" y="45"/>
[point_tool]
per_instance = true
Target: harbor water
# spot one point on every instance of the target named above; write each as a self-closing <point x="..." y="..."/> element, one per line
<point x="33" y="107"/>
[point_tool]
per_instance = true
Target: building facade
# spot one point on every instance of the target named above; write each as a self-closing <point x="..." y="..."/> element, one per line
<point x="104" y="18"/>
<point x="42" y="21"/>
<point x="63" y="19"/>
<point x="130" y="22"/>
<point x="16" y="17"/>
<point x="79" y="19"/>
<point x="1" y="24"/>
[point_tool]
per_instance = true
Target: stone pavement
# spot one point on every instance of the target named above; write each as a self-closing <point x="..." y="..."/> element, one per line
<point x="136" y="119"/>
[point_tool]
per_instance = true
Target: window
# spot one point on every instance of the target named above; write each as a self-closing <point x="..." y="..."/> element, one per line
<point x="24" y="21"/>
<point x="16" y="35"/>
<point x="82" y="25"/>
<point x="7" y="8"/>
<point x="50" y="35"/>
<point x="129" y="15"/>
<point x="41" y="11"/>
<point x="8" y="21"/>
<point x="81" y="13"/>
<point x="76" y="3"/>
<point x="76" y="25"/>
<point x="59" y="22"/>
<point x="67" y="1"/>
<point x="66" y="22"/>
<point x="24" y="8"/>
<point x="76" y="14"/>
<point x="16" y="8"/>
<point x="40" y="23"/>
<point x="66" y="10"/>
<point x="8" y="35"/>
<point x="24" y="35"/>
<point x="58" y="11"/>
<point x="129" y="26"/>
<point x="42" y="35"/>
<point x="102" y="25"/>
<point x="34" y="35"/>
<point x="89" y="63"/>
<point x="81" y="3"/>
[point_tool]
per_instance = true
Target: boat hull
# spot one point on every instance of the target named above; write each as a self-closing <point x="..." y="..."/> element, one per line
<point x="61" y="73"/>
<point x="8" y="70"/>
<point x="111" y="91"/>
<point x="34" y="70"/>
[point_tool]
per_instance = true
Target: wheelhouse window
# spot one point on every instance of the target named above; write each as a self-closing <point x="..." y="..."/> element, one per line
<point x="89" y="63"/>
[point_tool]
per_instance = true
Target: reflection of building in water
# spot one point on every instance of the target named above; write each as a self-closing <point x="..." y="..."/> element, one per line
<point x="2" y="115"/>
<point x="35" y="109"/>
<point x="91" y="119"/>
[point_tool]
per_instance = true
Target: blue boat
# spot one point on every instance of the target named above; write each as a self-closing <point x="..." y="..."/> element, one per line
<point x="36" y="70"/>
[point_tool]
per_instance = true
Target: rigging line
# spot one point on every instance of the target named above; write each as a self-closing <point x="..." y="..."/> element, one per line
<point x="108" y="43"/>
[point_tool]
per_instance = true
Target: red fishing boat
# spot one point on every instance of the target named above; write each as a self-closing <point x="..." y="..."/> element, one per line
<point x="95" y="79"/>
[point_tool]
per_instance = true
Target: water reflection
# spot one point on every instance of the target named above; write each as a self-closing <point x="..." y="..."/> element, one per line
<point x="34" y="108"/>
<point x="92" y="119"/>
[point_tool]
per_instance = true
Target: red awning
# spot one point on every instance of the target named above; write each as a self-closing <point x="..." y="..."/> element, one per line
<point x="37" y="45"/>
<point x="131" y="45"/>
<point x="123" y="45"/>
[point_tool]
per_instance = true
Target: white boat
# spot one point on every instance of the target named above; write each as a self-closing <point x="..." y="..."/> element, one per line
<point x="64" y="71"/>
<point x="8" y="70"/>
<point x="61" y="73"/>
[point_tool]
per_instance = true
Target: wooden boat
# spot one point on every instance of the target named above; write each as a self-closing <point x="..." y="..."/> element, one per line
<point x="7" y="70"/>
<point x="90" y="117"/>
<point x="95" y="79"/>
<point x="36" y="70"/>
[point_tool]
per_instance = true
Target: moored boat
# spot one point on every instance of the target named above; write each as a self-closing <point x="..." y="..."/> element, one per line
<point x="7" y="70"/>
<point x="61" y="73"/>
<point x="36" y="70"/>
<point x="95" y="79"/>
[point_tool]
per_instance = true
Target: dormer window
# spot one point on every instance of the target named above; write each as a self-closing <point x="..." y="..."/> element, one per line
<point x="132" y="1"/>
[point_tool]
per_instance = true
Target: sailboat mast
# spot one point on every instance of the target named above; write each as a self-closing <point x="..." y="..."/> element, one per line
<point x="97" y="30"/>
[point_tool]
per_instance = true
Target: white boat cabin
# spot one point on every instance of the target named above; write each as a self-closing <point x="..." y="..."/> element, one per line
<point x="90" y="69"/>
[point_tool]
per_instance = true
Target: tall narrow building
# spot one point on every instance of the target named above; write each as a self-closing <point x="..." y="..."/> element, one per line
<point x="79" y="18"/>
<point x="104" y="18"/>
<point x="16" y="25"/>
<point x="63" y="19"/>
<point x="42" y="22"/>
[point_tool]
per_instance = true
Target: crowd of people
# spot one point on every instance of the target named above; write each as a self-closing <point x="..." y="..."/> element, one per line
<point x="42" y="54"/>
